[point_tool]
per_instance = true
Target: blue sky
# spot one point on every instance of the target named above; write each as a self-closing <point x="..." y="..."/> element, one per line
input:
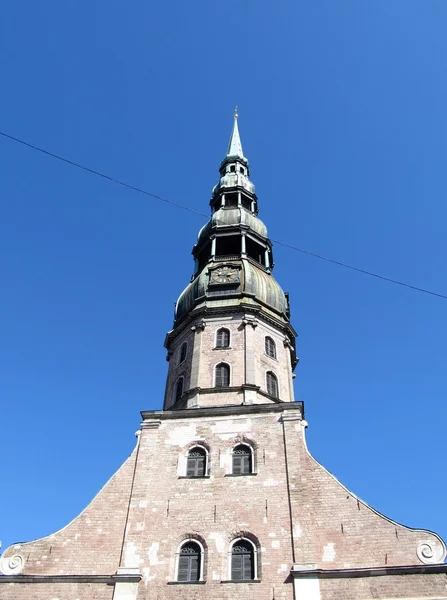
<point x="343" y="118"/>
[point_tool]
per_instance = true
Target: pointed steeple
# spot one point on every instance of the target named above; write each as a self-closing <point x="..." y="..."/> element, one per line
<point x="235" y="145"/>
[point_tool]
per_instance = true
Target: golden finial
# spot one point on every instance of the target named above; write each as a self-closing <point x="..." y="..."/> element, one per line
<point x="235" y="112"/>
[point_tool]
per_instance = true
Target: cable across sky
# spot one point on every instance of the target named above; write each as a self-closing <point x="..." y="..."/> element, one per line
<point x="196" y="212"/>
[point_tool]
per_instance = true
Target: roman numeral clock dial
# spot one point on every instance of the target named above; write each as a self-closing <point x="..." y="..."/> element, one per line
<point x="225" y="275"/>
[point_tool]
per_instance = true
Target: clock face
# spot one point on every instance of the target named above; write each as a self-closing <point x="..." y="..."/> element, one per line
<point x="225" y="275"/>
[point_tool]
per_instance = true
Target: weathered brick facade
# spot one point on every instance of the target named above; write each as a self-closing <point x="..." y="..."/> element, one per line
<point x="220" y="498"/>
<point x="292" y="508"/>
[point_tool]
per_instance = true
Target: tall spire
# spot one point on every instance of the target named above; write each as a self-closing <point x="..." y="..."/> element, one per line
<point x="235" y="145"/>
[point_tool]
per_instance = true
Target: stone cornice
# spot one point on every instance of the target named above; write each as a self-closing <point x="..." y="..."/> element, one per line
<point x="367" y="571"/>
<point x="218" y="411"/>
<point x="107" y="579"/>
<point x="208" y="311"/>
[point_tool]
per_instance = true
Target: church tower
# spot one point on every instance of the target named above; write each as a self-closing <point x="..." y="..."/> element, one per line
<point x="220" y="498"/>
<point x="232" y="342"/>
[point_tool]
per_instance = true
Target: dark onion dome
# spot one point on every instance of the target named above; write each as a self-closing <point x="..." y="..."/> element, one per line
<point x="257" y="287"/>
<point x="226" y="217"/>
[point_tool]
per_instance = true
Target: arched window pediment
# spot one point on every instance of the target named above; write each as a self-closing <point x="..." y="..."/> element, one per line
<point x="270" y="347"/>
<point x="190" y="562"/>
<point x="183" y="352"/>
<point x="242" y="463"/>
<point x="179" y="389"/>
<point x="272" y="384"/>
<point x="223" y="338"/>
<point x="243" y="560"/>
<point x="222" y="375"/>
<point x="196" y="464"/>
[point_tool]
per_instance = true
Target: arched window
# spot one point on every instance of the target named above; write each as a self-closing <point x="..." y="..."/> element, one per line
<point x="222" y="375"/>
<point x="242" y="561"/>
<point x="178" y="389"/>
<point x="270" y="347"/>
<point x="189" y="562"/>
<point x="272" y="384"/>
<point x="196" y="464"/>
<point x="242" y="460"/>
<point x="182" y="355"/>
<point x="223" y="338"/>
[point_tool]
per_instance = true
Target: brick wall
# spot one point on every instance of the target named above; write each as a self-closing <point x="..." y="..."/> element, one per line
<point x="56" y="591"/>
<point x="90" y="544"/>
<point x="246" y="357"/>
<point x="387" y="587"/>
<point x="294" y="510"/>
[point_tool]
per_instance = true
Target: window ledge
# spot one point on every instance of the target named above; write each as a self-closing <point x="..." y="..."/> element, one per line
<point x="241" y="581"/>
<point x="201" y="582"/>
<point x="193" y="477"/>
<point x="222" y="348"/>
<point x="240" y="474"/>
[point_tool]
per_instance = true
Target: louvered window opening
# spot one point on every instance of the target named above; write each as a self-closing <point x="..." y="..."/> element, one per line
<point x="242" y="561"/>
<point x="222" y="375"/>
<point x="189" y="562"/>
<point x="183" y="352"/>
<point x="179" y="389"/>
<point x="223" y="338"/>
<point x="196" y="464"/>
<point x="272" y="385"/>
<point x="242" y="463"/>
<point x="270" y="347"/>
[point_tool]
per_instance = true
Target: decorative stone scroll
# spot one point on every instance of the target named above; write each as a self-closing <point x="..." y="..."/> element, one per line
<point x="11" y="565"/>
<point x="431" y="552"/>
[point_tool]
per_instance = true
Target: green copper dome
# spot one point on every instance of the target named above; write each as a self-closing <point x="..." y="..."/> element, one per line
<point x="256" y="287"/>
<point x="233" y="255"/>
<point x="227" y="217"/>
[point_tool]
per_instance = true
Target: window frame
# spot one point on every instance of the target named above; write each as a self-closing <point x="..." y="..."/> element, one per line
<point x="226" y="329"/>
<point x="268" y="339"/>
<point x="275" y="377"/>
<point x="251" y="459"/>
<point x="254" y="555"/>
<point x="219" y="364"/>
<point x="177" y="397"/>
<point x="206" y="462"/>
<point x="180" y="359"/>
<point x="201" y="561"/>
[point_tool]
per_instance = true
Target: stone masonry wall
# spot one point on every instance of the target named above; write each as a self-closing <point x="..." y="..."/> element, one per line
<point x="215" y="510"/>
<point x="386" y="587"/>
<point x="334" y="529"/>
<point x="292" y="508"/>
<point x="90" y="544"/>
<point x="245" y="356"/>
<point x="53" y="591"/>
<point x="167" y="509"/>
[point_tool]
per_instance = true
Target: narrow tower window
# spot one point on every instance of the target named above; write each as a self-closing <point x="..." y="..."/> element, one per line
<point x="196" y="466"/>
<point x="270" y="347"/>
<point x="242" y="561"/>
<point x="179" y="389"/>
<point x="272" y="384"/>
<point x="223" y="338"/>
<point x="189" y="562"/>
<point x="242" y="460"/>
<point x="222" y="375"/>
<point x="183" y="350"/>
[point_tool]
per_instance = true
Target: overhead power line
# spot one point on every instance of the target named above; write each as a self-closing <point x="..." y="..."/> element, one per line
<point x="196" y="212"/>
<point x="103" y="175"/>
